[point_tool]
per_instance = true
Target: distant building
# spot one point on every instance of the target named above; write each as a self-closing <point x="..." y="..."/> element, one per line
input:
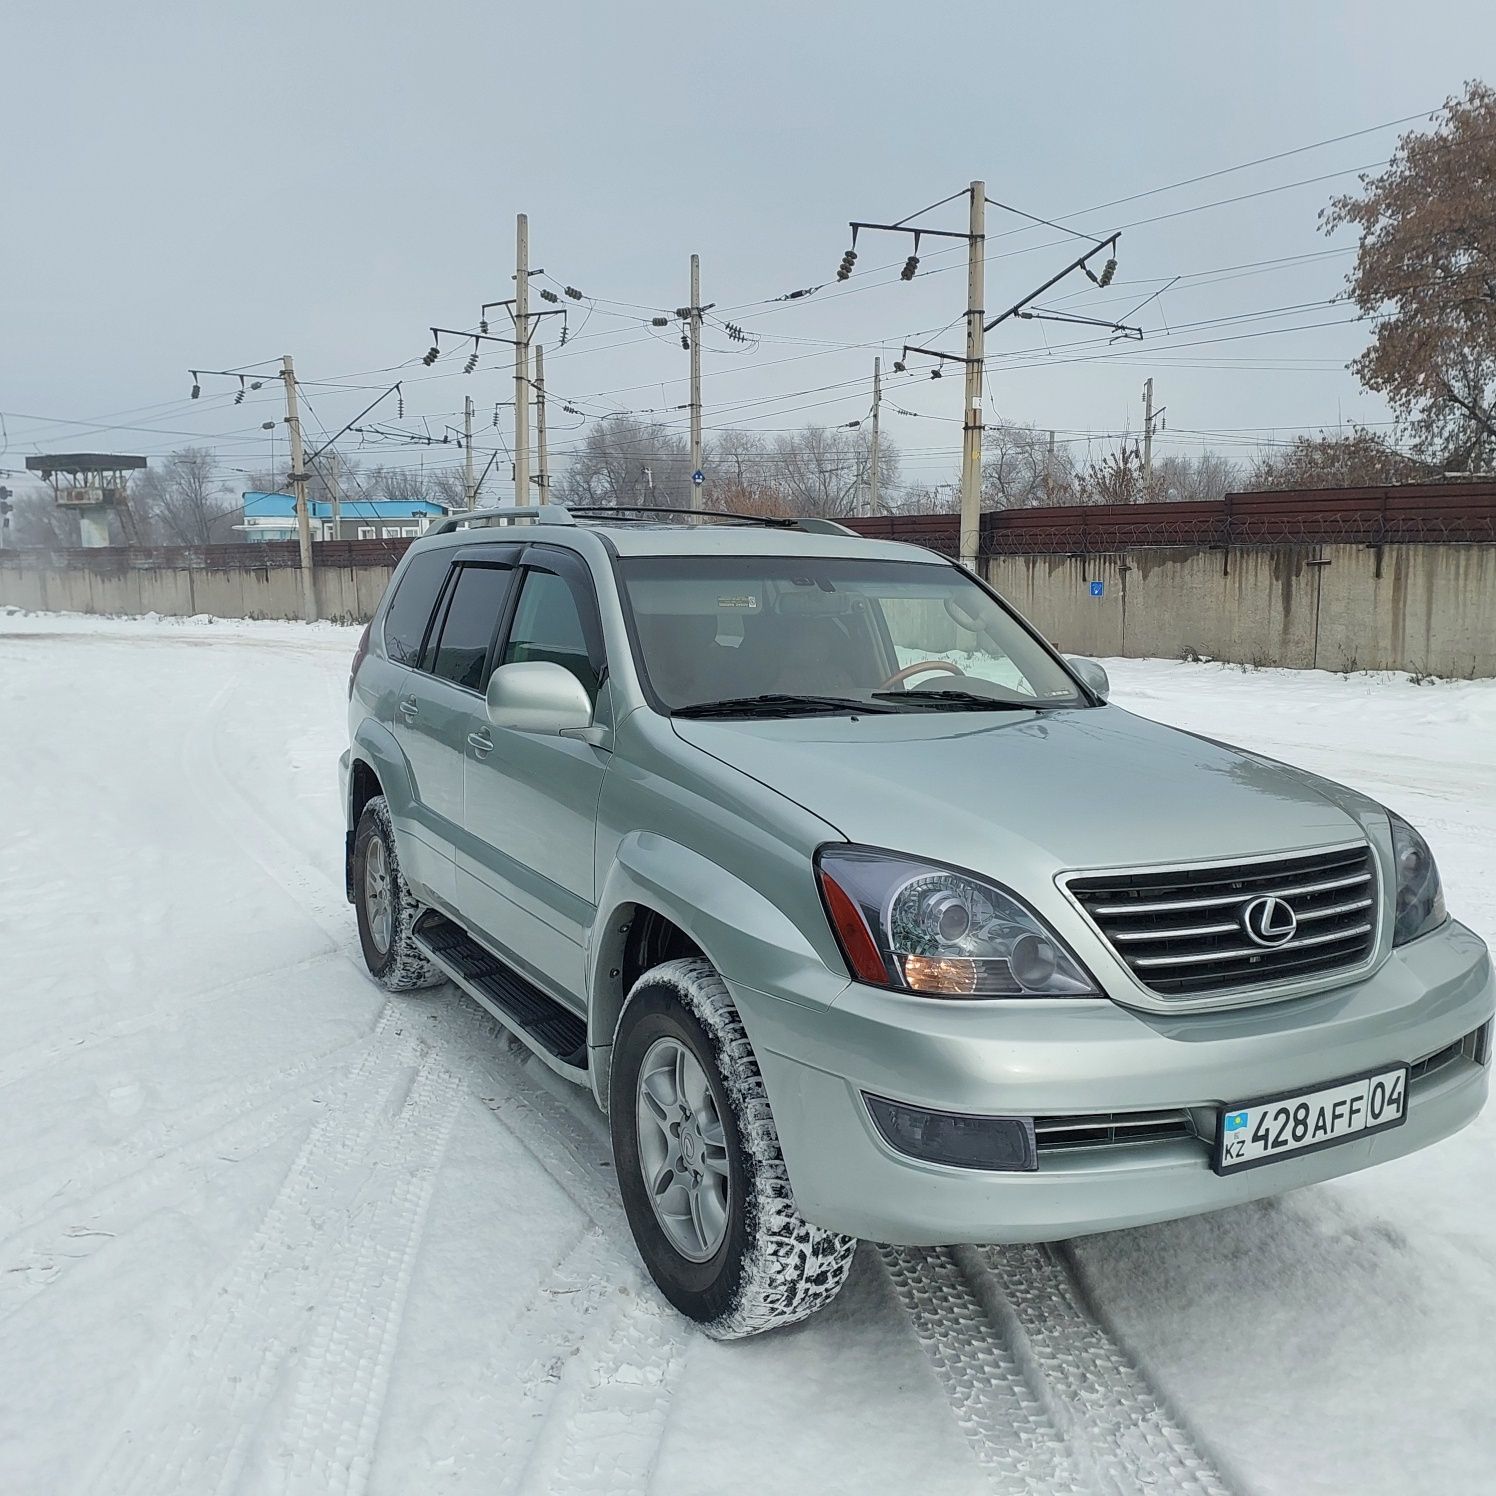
<point x="272" y="516"/>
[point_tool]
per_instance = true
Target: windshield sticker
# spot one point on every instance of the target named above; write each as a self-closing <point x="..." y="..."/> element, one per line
<point x="737" y="602"/>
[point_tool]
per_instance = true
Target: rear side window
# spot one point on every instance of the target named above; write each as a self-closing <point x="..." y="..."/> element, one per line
<point x="471" y="623"/>
<point x="548" y="626"/>
<point x="409" y="610"/>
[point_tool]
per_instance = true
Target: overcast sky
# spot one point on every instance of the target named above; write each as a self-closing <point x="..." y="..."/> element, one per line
<point x="190" y="185"/>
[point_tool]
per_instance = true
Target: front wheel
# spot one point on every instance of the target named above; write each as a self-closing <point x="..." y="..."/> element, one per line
<point x="699" y="1165"/>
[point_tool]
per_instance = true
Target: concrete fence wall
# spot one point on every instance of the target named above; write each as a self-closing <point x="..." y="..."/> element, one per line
<point x="1428" y="608"/>
<point x="345" y="593"/>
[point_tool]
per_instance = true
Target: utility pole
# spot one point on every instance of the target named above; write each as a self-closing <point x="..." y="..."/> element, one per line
<point x="298" y="487"/>
<point x="971" y="421"/>
<point x="872" y="487"/>
<point x="521" y="359"/>
<point x="1150" y="421"/>
<point x="543" y="475"/>
<point x="468" y="486"/>
<point x="697" y="494"/>
<point x="334" y="494"/>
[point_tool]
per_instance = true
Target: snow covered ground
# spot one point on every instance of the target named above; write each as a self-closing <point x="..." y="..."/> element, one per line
<point x="261" y="1231"/>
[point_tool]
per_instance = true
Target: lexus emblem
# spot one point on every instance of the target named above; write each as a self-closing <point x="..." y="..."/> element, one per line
<point x="1269" y="921"/>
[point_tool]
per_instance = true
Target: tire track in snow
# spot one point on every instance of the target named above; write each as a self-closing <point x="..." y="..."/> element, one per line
<point x="343" y="1378"/>
<point x="174" y="1147"/>
<point x="1049" y="1402"/>
<point x="193" y="1421"/>
<point x="59" y="1047"/>
<point x="1009" y="1429"/>
<point x="1134" y="1440"/>
<point x="552" y="1132"/>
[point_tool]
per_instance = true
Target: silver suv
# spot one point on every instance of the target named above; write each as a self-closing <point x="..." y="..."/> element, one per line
<point x="863" y="914"/>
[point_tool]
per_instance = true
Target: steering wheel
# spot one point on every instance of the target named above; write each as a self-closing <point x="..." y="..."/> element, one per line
<point x="918" y="668"/>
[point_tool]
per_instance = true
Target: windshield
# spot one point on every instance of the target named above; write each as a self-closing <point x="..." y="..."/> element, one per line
<point x="757" y="635"/>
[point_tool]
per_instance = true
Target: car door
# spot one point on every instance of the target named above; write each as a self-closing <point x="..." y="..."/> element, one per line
<point x="442" y="698"/>
<point x="525" y="869"/>
<point x="411" y="620"/>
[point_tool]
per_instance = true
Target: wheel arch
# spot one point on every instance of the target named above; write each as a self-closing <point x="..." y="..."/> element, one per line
<point x="661" y="901"/>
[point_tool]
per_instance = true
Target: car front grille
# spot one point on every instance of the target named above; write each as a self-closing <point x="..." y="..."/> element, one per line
<point x="1182" y="932"/>
<point x="1109" y="1129"/>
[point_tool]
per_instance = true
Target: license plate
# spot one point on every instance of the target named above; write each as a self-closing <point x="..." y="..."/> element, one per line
<point x="1261" y="1132"/>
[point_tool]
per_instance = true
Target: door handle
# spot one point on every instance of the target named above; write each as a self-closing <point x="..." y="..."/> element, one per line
<point x="408" y="708"/>
<point x="480" y="743"/>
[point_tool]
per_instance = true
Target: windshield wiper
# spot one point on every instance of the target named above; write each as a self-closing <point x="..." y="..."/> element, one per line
<point x="779" y="705"/>
<point x="961" y="701"/>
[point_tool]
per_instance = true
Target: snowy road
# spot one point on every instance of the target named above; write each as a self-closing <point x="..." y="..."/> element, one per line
<point x="261" y="1231"/>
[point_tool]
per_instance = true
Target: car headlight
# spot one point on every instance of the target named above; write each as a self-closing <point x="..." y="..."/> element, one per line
<point x="1420" y="898"/>
<point x="920" y="927"/>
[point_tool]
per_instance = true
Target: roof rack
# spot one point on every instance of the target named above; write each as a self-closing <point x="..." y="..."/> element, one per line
<point x="541" y="514"/>
<point x="769" y="521"/>
<point x="560" y="514"/>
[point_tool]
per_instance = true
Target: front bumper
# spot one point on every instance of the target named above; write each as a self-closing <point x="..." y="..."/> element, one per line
<point x="1054" y="1058"/>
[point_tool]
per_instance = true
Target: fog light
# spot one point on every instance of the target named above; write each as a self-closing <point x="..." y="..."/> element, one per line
<point x="954" y="1138"/>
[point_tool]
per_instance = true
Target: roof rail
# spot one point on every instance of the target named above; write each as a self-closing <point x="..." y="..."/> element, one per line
<point x="559" y="514"/>
<point x="809" y="524"/>
<point x="541" y="514"/>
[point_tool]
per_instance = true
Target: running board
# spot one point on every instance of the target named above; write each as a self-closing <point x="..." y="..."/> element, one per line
<point x="558" y="1034"/>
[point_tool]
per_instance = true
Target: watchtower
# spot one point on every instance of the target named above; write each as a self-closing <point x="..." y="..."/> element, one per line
<point x="90" y="484"/>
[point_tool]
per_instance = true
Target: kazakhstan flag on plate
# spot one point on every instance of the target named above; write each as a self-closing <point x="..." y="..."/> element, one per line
<point x="1236" y="1121"/>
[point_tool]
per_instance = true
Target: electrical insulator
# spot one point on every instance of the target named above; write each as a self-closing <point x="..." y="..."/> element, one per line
<point x="400" y="406"/>
<point x="1107" y="272"/>
<point x="257" y="384"/>
<point x="659" y="322"/>
<point x="935" y="372"/>
<point x="571" y="410"/>
<point x="910" y="266"/>
<point x="572" y="291"/>
<point x="483" y="327"/>
<point x="685" y="342"/>
<point x="899" y="366"/>
<point x="239" y="398"/>
<point x="197" y="390"/>
<point x="848" y="260"/>
<point x="563" y="335"/>
<point x="549" y="296"/>
<point x="431" y="355"/>
<point x="471" y="364"/>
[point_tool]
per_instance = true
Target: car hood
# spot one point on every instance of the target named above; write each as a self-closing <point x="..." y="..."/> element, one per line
<point x="1096" y="787"/>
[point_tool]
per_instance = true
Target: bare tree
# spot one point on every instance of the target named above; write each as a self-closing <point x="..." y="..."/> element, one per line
<point x="1022" y="467"/>
<point x="39" y="520"/>
<point x="623" y="461"/>
<point x="1116" y="479"/>
<point x="1360" y="460"/>
<point x="1180" y="478"/>
<point x="183" y="500"/>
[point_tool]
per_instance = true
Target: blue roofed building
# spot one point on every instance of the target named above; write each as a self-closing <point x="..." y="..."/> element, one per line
<point x="272" y="516"/>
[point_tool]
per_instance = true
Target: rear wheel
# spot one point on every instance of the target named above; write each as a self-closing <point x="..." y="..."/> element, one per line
<point x="699" y="1165"/>
<point x="386" y="909"/>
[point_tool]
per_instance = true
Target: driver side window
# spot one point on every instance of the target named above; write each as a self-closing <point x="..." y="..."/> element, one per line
<point x="548" y="626"/>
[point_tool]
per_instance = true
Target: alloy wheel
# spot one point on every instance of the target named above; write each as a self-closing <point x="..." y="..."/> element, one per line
<point x="379" y="907"/>
<point x="682" y="1150"/>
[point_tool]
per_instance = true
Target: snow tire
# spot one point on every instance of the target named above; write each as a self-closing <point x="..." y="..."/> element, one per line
<point x="773" y="1268"/>
<point x="400" y="967"/>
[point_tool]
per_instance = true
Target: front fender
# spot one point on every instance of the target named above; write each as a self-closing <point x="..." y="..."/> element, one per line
<point x="749" y="937"/>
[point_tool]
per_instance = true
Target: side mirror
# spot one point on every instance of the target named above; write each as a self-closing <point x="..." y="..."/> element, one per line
<point x="537" y="696"/>
<point x="1092" y="674"/>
